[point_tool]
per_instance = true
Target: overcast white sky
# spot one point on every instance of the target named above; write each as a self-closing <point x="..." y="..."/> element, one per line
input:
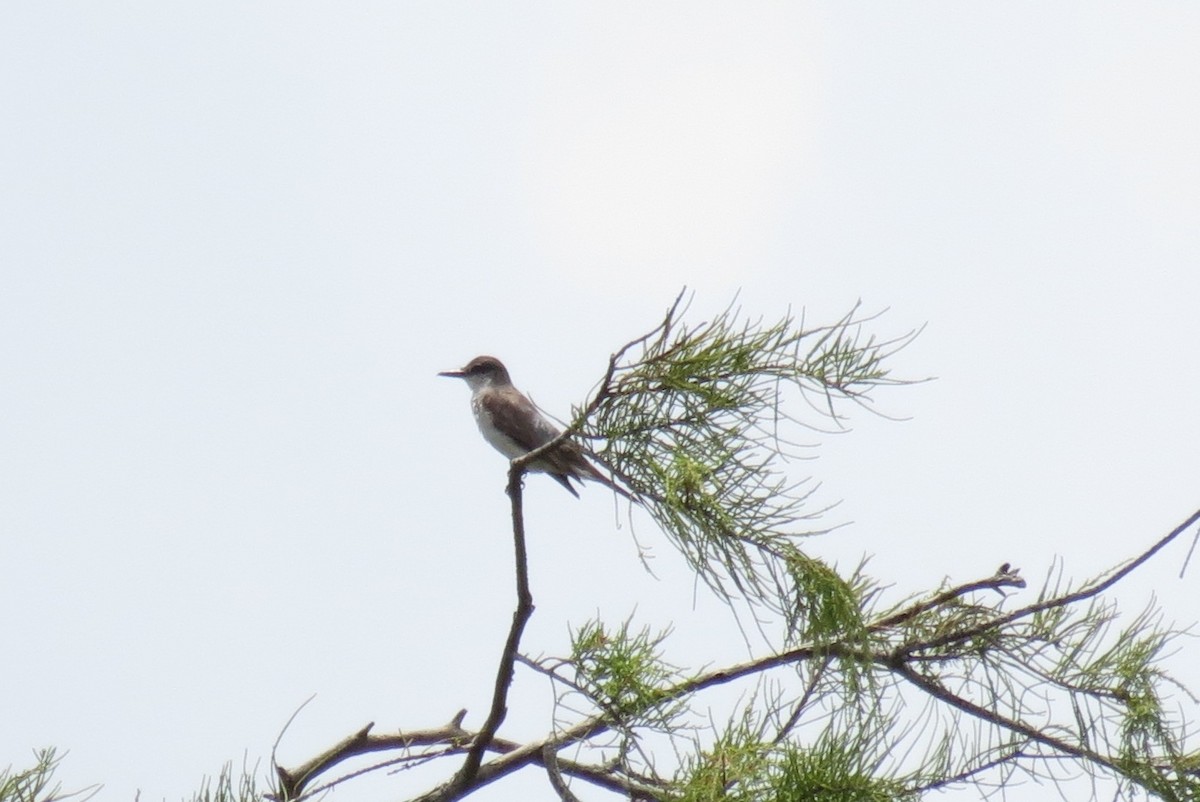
<point x="238" y="240"/>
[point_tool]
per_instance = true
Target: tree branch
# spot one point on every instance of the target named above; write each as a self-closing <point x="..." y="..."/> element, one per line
<point x="1006" y="577"/>
<point x="298" y="783"/>
<point x="466" y="775"/>
<point x="550" y="761"/>
<point x="1035" y="735"/>
<point x="294" y="782"/>
<point x="1086" y="592"/>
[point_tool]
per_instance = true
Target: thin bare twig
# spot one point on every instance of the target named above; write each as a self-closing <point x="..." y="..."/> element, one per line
<point x="294" y="782"/>
<point x="550" y="761"/>
<point x="1006" y="577"/>
<point x="1086" y="592"/>
<point x="504" y="674"/>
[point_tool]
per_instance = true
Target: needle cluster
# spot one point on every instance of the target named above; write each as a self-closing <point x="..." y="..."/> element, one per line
<point x="699" y="421"/>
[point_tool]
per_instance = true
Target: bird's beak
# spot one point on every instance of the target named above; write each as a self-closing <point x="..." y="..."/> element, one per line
<point x="453" y="374"/>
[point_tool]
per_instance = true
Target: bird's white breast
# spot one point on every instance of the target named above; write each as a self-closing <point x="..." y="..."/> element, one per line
<point x="499" y="441"/>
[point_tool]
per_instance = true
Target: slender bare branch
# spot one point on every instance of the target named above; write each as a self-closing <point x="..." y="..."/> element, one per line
<point x="1006" y="577"/>
<point x="550" y="761"/>
<point x="1084" y="593"/>
<point x="504" y="674"/>
<point x="294" y="782"/>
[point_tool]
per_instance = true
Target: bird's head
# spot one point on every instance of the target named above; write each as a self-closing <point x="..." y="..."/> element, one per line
<point x="482" y="371"/>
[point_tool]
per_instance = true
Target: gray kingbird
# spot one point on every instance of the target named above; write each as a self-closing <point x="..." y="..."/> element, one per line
<point x="514" y="426"/>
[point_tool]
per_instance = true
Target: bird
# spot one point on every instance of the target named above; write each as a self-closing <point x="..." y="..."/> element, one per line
<point x="511" y="423"/>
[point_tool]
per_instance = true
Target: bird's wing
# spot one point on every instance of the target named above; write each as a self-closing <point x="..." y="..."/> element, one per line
<point x="511" y="413"/>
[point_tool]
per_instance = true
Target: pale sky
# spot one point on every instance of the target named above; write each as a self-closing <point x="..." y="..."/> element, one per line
<point x="238" y="241"/>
